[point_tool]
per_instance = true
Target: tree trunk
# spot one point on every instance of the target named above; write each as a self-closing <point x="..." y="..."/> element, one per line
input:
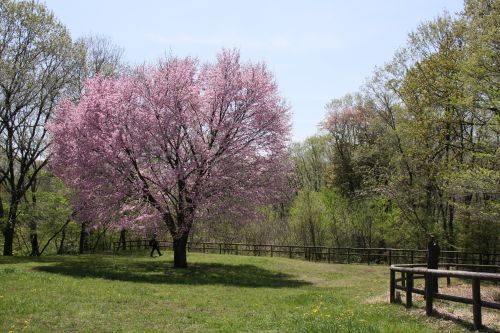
<point x="83" y="239"/>
<point x="60" y="250"/>
<point x="180" y="259"/>
<point x="451" y="216"/>
<point x="35" y="249"/>
<point x="122" y="243"/>
<point x="8" y="234"/>
<point x="8" y="230"/>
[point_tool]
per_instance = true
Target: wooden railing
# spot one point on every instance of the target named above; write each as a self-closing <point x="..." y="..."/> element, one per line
<point x="409" y="273"/>
<point x="325" y="254"/>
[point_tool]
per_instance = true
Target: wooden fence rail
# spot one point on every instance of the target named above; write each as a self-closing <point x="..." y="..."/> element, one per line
<point x="411" y="272"/>
<point x="325" y="254"/>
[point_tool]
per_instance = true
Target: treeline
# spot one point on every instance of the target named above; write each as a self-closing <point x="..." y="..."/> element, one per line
<point x="414" y="152"/>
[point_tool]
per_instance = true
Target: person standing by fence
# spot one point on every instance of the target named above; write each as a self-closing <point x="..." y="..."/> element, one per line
<point x="154" y="245"/>
<point x="433" y="260"/>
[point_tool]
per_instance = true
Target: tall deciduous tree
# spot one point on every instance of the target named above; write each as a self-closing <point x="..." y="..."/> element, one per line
<point x="173" y="142"/>
<point x="36" y="62"/>
<point x="97" y="55"/>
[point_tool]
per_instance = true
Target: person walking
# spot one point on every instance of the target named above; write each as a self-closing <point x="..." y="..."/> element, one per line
<point x="154" y="245"/>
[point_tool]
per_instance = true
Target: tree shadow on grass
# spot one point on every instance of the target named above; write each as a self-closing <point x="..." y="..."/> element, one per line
<point x="163" y="273"/>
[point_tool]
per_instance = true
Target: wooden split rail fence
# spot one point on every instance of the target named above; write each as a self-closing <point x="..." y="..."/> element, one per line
<point x="325" y="254"/>
<point x="410" y="273"/>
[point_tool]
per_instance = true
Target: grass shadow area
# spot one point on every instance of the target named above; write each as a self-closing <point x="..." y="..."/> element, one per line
<point x="162" y="272"/>
<point x="461" y="322"/>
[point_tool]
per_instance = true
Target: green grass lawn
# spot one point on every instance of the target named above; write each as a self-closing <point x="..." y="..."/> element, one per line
<point x="222" y="293"/>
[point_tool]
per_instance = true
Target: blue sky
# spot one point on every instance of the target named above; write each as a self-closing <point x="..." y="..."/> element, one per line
<point x="318" y="50"/>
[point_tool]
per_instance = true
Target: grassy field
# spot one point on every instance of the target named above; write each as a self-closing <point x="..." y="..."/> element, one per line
<point x="222" y="293"/>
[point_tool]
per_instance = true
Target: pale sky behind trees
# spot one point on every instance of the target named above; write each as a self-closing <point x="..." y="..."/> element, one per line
<point x="318" y="50"/>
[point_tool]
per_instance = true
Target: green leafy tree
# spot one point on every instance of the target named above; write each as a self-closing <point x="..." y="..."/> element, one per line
<point x="46" y="213"/>
<point x="309" y="219"/>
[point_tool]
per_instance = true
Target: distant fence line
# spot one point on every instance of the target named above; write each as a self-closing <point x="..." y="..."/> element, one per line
<point x="347" y="255"/>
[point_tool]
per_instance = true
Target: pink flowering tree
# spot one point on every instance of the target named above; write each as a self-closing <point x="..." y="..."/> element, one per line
<point x="174" y="143"/>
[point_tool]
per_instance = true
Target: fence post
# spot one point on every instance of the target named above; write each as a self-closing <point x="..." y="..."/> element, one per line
<point x="409" y="289"/>
<point x="476" y="303"/>
<point x="392" y="286"/>
<point x="220" y="248"/>
<point x="429" y="289"/>
<point x="348" y="256"/>
<point x="271" y="251"/>
<point x="448" y="278"/>
<point x="390" y="257"/>
<point x="412" y="254"/>
<point x="328" y="255"/>
<point x="290" y="252"/>
<point x="236" y="249"/>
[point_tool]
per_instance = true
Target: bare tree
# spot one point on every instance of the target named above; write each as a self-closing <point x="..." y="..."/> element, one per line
<point x="97" y="55"/>
<point x="37" y="63"/>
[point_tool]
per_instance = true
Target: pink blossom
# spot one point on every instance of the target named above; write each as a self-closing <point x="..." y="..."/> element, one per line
<point x="173" y="142"/>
